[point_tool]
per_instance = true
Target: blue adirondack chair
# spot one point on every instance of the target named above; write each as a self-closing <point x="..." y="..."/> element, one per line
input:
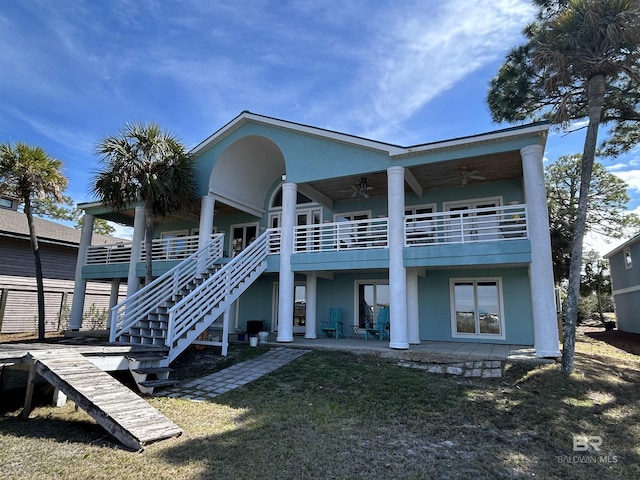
<point x="333" y="328"/>
<point x="380" y="328"/>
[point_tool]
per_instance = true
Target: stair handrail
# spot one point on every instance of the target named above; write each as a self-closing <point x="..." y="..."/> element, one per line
<point x="217" y="289"/>
<point x="145" y="300"/>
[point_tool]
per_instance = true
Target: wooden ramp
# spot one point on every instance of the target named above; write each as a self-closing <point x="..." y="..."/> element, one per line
<point x="119" y="410"/>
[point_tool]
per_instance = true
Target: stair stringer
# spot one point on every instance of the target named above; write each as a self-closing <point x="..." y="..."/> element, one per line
<point x="189" y="317"/>
<point x="178" y="345"/>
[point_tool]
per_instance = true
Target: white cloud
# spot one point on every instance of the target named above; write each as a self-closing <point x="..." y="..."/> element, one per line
<point x="424" y="50"/>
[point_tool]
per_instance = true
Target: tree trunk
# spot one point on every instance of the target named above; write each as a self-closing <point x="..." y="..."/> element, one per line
<point x="148" y="243"/>
<point x="38" y="264"/>
<point x="595" y="99"/>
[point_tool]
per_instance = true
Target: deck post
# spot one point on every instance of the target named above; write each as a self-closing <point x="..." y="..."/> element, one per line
<point x="206" y="228"/>
<point x="28" y="397"/>
<point x="133" y="282"/>
<point x="312" y="293"/>
<point x="80" y="284"/>
<point x="413" y="319"/>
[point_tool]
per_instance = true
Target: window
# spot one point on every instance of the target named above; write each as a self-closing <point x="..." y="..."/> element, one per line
<point x="471" y="225"/>
<point x="241" y="236"/>
<point x="5" y="203"/>
<point x="628" y="262"/>
<point x="371" y="296"/>
<point x="174" y="244"/>
<point x="420" y="209"/>
<point x="476" y="306"/>
<point x="276" y="199"/>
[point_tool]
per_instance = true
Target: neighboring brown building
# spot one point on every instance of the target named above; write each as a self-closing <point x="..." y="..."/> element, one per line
<point x="58" y="251"/>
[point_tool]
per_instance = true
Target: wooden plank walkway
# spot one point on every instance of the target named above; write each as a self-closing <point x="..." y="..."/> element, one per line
<point x="115" y="407"/>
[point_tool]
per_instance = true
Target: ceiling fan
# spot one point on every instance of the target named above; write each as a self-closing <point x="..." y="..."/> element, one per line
<point x="465" y="175"/>
<point x="360" y="188"/>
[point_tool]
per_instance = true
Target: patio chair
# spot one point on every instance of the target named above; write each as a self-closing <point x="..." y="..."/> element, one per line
<point x="379" y="329"/>
<point x="333" y="328"/>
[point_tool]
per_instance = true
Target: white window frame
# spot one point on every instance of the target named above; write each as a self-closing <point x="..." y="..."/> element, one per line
<point x="471" y="203"/>
<point x="356" y="303"/>
<point x="452" y="299"/>
<point x="244" y="226"/>
<point x="366" y="213"/>
<point x="411" y="209"/>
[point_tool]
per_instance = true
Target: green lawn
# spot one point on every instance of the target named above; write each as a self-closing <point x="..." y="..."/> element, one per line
<point x="338" y="415"/>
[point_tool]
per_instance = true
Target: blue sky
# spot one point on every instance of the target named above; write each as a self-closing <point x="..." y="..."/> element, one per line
<point x="399" y="71"/>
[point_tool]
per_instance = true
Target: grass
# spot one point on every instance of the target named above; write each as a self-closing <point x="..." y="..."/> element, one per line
<point x="338" y="415"/>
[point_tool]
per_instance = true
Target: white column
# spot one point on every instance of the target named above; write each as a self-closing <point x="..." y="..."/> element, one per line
<point x="115" y="292"/>
<point x="133" y="282"/>
<point x="397" y="275"/>
<point x="285" y="298"/>
<point x="80" y="284"/>
<point x="206" y="220"/>
<point x="545" y="326"/>
<point x="413" y="317"/>
<point x="311" y="289"/>
<point x="206" y="227"/>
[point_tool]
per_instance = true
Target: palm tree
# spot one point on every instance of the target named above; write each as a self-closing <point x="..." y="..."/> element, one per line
<point x="29" y="173"/>
<point x="145" y="165"/>
<point x="577" y="55"/>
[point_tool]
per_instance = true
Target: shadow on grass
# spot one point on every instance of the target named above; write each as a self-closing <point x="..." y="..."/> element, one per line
<point x="629" y="342"/>
<point x="68" y="427"/>
<point x="335" y="415"/>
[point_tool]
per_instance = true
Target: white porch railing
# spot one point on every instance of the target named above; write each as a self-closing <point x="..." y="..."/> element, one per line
<point x="489" y="224"/>
<point x="359" y="234"/>
<point x="176" y="248"/>
<point x="275" y="235"/>
<point x="145" y="300"/>
<point x="465" y="226"/>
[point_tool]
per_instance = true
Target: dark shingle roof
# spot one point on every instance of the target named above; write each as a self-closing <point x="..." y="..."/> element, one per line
<point x="14" y="224"/>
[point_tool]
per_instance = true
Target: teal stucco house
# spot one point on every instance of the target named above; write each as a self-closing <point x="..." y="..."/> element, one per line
<point x="449" y="239"/>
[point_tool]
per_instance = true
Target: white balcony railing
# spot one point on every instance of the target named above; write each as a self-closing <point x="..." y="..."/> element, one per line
<point x="359" y="234"/>
<point x="161" y="249"/>
<point x="489" y="224"/>
<point x="465" y="226"/>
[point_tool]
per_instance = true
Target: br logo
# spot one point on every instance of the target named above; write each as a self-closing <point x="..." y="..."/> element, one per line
<point x="584" y="443"/>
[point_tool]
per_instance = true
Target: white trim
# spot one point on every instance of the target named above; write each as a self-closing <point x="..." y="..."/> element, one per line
<point x="527" y="131"/>
<point x="452" y="304"/>
<point x="424" y="206"/>
<point x="174" y="233"/>
<point x="337" y="216"/>
<point x="246" y="117"/>
<point x="394" y="151"/>
<point x="273" y="328"/>
<point x="243" y="226"/>
<point x="356" y="304"/>
<point x="622" y="291"/>
<point x="471" y="202"/>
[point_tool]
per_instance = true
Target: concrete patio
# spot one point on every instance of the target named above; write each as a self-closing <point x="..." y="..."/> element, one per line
<point x="426" y="351"/>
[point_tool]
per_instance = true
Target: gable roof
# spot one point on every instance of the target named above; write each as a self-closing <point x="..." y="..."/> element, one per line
<point x="392" y="149"/>
<point x="14" y="224"/>
<point x="622" y="246"/>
